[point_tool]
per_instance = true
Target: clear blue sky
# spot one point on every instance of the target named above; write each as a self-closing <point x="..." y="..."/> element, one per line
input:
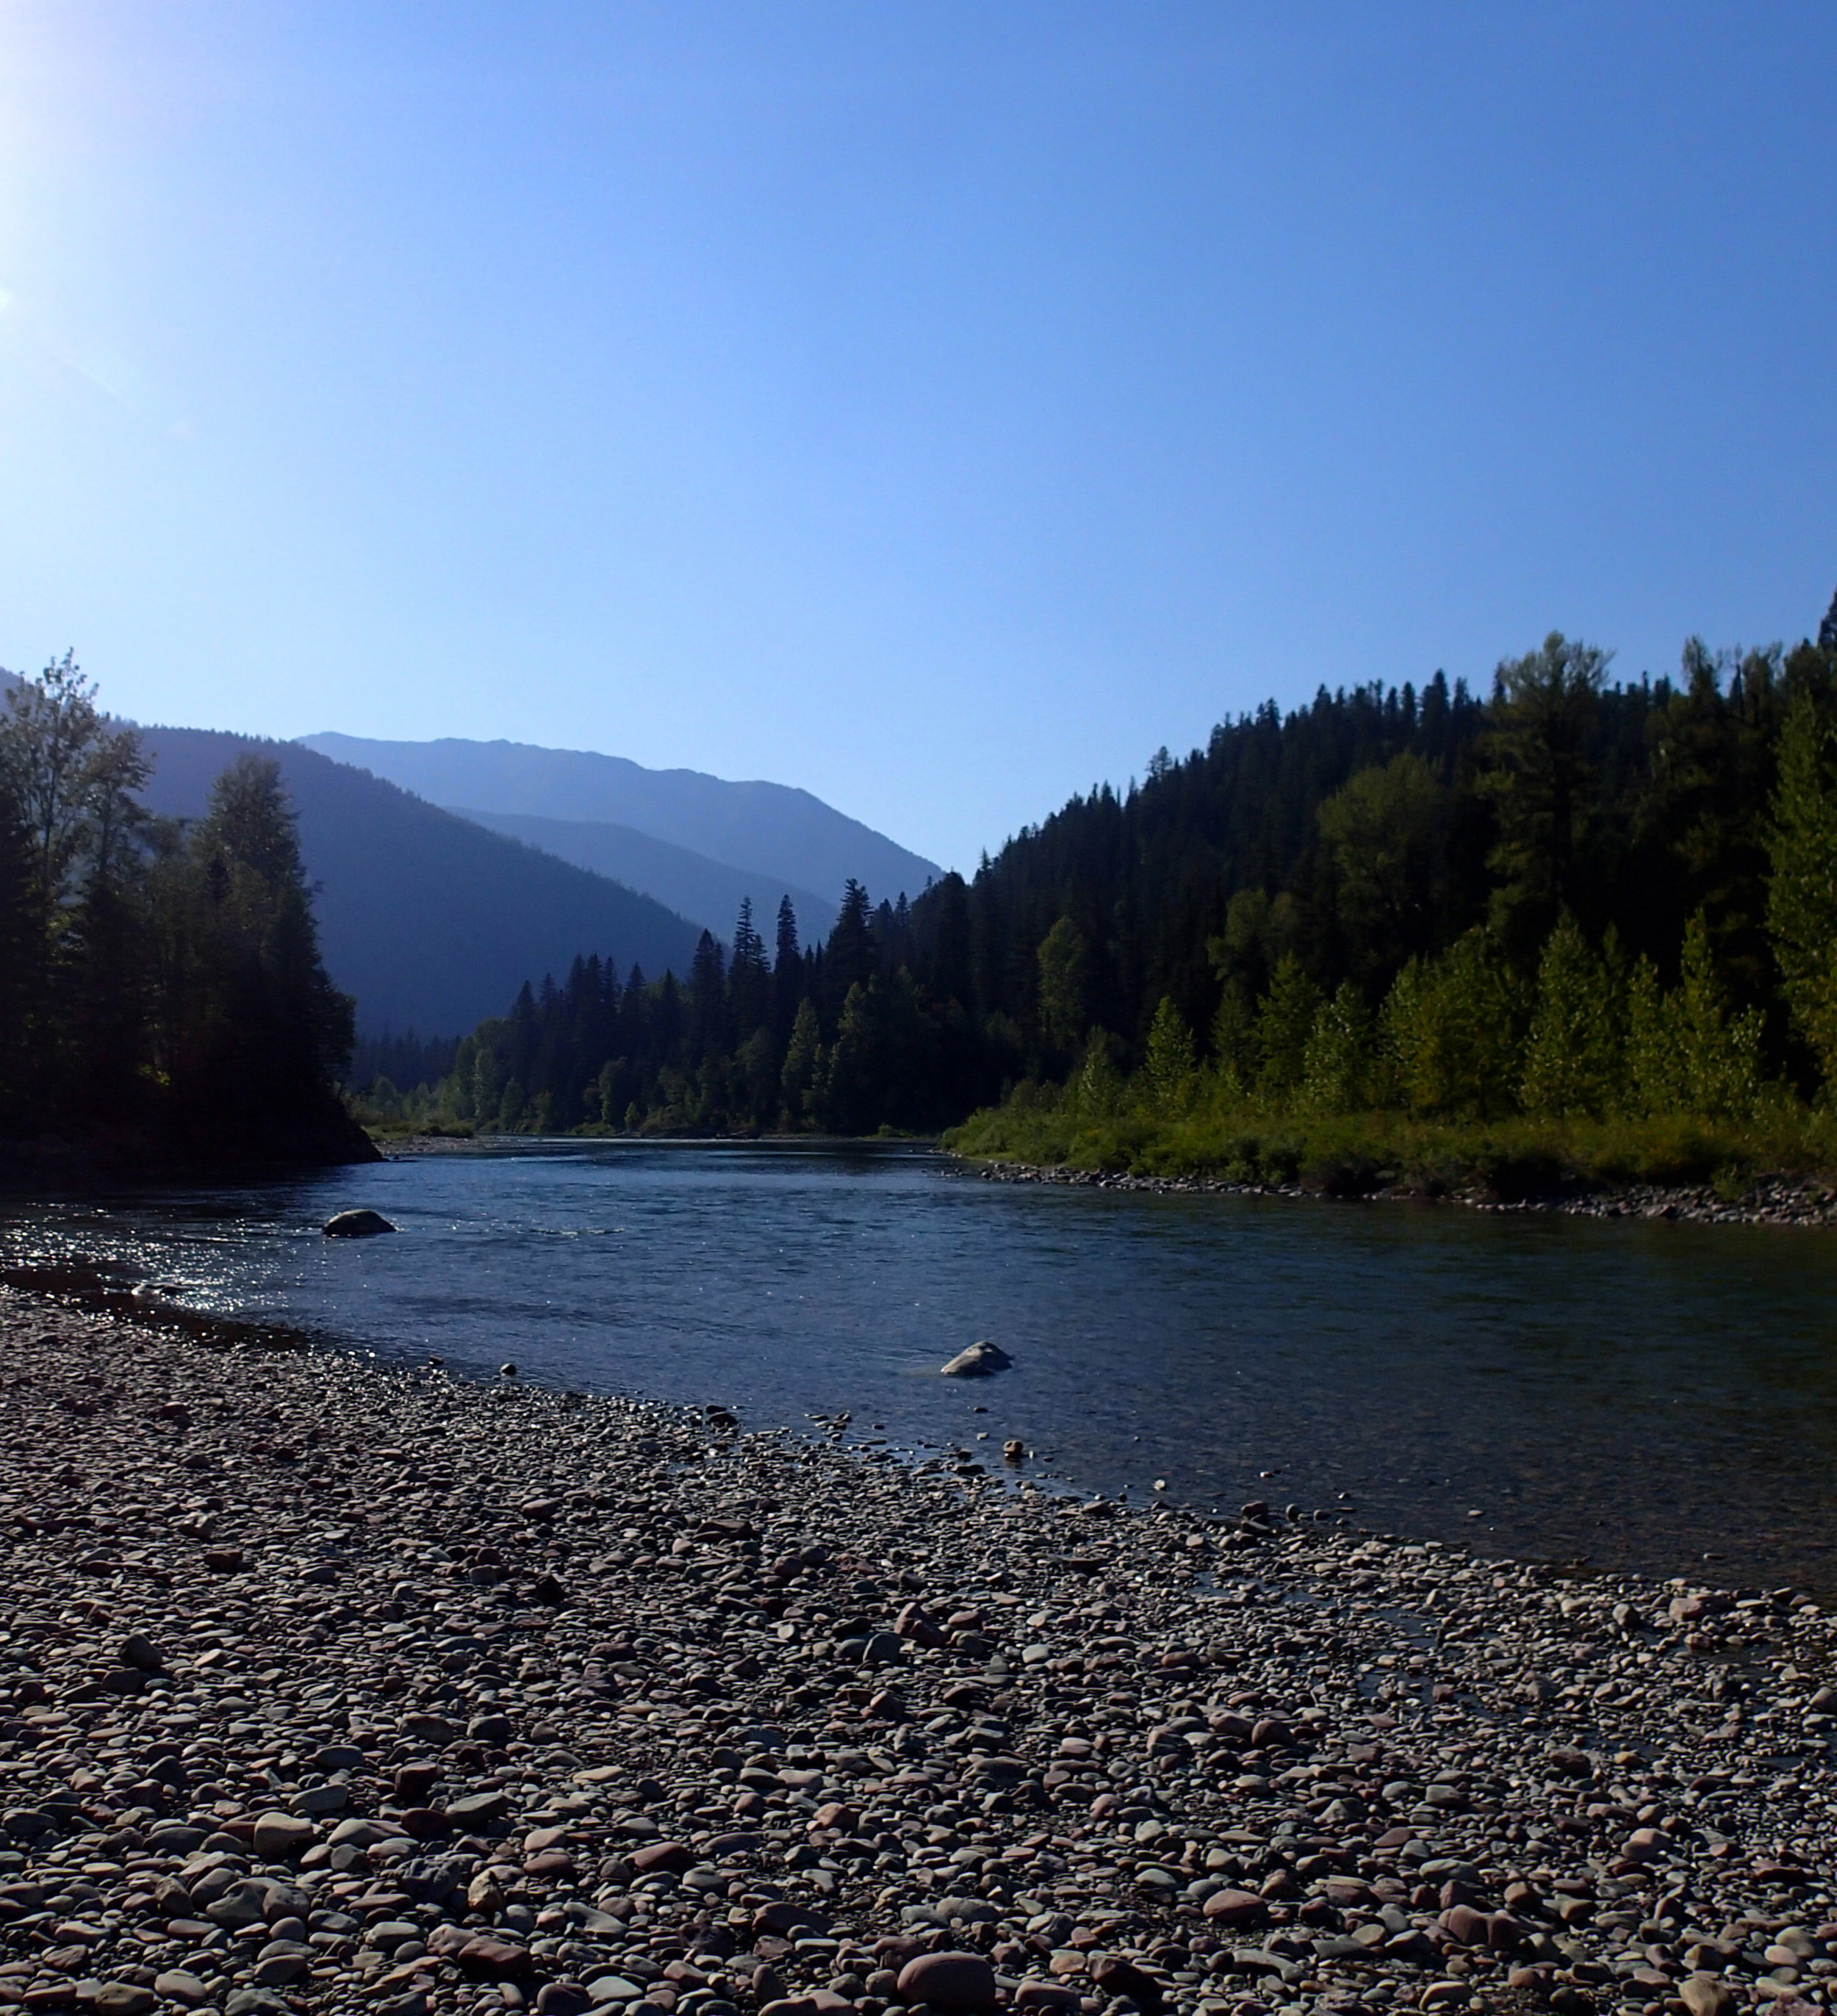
<point x="937" y="405"/>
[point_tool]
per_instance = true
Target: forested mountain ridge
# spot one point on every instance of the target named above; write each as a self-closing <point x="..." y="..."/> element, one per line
<point x="708" y="892"/>
<point x="782" y="838"/>
<point x="1568" y="898"/>
<point x="428" y="920"/>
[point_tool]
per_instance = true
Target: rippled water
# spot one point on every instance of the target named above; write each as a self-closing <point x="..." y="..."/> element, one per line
<point x="1660" y="1396"/>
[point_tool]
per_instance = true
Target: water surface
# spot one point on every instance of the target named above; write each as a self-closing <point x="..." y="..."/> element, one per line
<point x="1659" y="1396"/>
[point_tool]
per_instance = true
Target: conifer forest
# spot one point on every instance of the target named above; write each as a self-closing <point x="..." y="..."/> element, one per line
<point x="1607" y="909"/>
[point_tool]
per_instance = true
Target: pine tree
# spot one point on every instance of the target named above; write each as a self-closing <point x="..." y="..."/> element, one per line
<point x="788" y="973"/>
<point x="708" y="1001"/>
<point x="1063" y="960"/>
<point x="851" y="959"/>
<point x="1540" y="777"/>
<point x="272" y="1034"/>
<point x="800" y="1083"/>
<point x="749" y="980"/>
<point x="853" y="1093"/>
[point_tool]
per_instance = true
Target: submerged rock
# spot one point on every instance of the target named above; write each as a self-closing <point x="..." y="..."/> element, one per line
<point x="978" y="1361"/>
<point x="357" y="1224"/>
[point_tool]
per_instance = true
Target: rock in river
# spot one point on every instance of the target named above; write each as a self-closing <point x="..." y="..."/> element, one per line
<point x="357" y="1224"/>
<point x="978" y="1361"/>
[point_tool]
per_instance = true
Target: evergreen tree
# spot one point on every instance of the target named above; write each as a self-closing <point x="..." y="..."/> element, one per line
<point x="1539" y="777"/>
<point x="854" y="1086"/>
<point x="1384" y="829"/>
<point x="1064" y="985"/>
<point x="273" y="1035"/>
<point x="748" y="977"/>
<point x="708" y="1001"/>
<point x="850" y="958"/>
<point x="800" y="1083"/>
<point x="17" y="958"/>
<point x="948" y="906"/>
<point x="1802" y="900"/>
<point x="788" y="973"/>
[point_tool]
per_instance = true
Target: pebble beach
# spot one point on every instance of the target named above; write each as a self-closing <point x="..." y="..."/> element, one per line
<point x="1773" y="1201"/>
<point x="330" y="1685"/>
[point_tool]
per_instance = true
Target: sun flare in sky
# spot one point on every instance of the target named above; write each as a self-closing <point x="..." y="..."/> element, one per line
<point x="938" y="407"/>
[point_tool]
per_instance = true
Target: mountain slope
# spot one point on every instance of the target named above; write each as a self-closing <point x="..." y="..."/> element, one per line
<point x="786" y="836"/>
<point x="691" y="884"/>
<point x="431" y="921"/>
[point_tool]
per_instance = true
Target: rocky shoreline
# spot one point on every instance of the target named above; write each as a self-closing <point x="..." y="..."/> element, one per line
<point x="324" y="1685"/>
<point x="1777" y="1200"/>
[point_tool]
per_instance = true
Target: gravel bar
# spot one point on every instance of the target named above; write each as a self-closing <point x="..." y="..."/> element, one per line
<point x="329" y="1686"/>
<point x="1774" y="1200"/>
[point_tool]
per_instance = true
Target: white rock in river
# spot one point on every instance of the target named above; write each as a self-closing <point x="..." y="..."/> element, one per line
<point x="357" y="1224"/>
<point x="980" y="1359"/>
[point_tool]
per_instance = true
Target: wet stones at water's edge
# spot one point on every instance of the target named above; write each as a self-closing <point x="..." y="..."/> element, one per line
<point x="323" y="1687"/>
<point x="1779" y="1201"/>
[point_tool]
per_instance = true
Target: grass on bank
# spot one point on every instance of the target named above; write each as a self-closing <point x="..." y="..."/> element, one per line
<point x="1355" y="1154"/>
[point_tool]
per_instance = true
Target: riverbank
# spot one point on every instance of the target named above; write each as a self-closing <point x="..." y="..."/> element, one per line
<point x="1780" y="1201"/>
<point x="326" y="1686"/>
<point x="1773" y="1169"/>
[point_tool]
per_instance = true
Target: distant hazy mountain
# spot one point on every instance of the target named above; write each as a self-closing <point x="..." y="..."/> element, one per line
<point x="709" y="891"/>
<point x="431" y="921"/>
<point x="779" y="837"/>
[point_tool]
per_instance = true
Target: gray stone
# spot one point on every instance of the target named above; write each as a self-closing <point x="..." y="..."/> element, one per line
<point x="978" y="1361"/>
<point x="356" y="1225"/>
<point x="281" y="1837"/>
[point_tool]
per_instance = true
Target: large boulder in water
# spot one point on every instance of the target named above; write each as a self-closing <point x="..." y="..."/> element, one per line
<point x="981" y="1358"/>
<point x="357" y="1224"/>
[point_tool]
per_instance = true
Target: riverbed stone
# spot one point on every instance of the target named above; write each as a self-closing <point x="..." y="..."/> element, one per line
<point x="281" y="1837"/>
<point x="978" y="1361"/>
<point x="358" y="1224"/>
<point x="1267" y="1761"/>
<point x="949" y="1981"/>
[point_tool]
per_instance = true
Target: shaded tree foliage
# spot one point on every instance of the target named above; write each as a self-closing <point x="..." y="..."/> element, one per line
<point x="161" y="993"/>
<point x="1419" y="896"/>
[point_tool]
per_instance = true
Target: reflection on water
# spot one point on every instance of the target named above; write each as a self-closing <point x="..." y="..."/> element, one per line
<point x="1641" y="1395"/>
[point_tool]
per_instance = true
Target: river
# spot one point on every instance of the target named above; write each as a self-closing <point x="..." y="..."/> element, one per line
<point x="1656" y="1396"/>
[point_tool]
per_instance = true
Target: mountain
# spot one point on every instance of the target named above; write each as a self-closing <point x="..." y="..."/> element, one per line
<point x="709" y="891"/>
<point x="431" y="921"/>
<point x="781" y="838"/>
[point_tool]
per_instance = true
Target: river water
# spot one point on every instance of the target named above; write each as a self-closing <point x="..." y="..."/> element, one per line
<point x="1658" y="1396"/>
